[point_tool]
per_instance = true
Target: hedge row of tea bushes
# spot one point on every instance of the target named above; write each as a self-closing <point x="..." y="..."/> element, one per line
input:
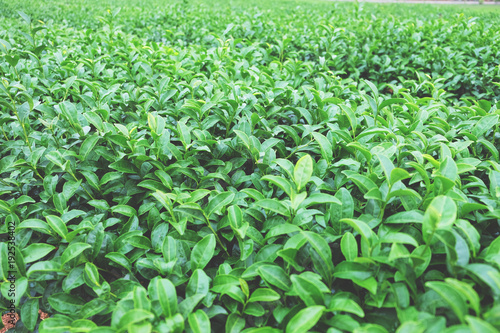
<point x="249" y="166"/>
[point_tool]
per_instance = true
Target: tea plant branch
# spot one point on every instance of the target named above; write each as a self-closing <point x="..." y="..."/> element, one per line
<point x="215" y="234"/>
<point x="298" y="148"/>
<point x="13" y="107"/>
<point x="68" y="170"/>
<point x="4" y="134"/>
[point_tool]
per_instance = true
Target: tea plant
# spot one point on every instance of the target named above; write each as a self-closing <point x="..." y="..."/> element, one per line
<point x="249" y="166"/>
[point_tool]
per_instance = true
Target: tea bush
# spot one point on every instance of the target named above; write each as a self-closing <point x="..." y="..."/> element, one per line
<point x="249" y="166"/>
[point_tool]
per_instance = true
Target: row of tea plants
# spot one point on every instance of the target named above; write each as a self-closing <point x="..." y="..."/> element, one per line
<point x="249" y="166"/>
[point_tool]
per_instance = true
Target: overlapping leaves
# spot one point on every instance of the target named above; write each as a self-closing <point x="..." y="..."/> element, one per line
<point x="185" y="167"/>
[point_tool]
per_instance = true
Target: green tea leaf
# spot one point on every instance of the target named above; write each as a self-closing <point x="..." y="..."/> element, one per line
<point x="349" y="246"/>
<point x="57" y="224"/>
<point x="440" y="214"/>
<point x="451" y="296"/>
<point x="305" y="319"/>
<point x="303" y="171"/>
<point x="275" y="276"/>
<point x="199" y="322"/>
<point x="203" y="252"/>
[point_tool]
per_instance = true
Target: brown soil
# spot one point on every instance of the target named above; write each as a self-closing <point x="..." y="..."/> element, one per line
<point x="7" y="322"/>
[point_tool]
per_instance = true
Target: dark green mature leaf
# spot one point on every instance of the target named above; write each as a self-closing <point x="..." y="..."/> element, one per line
<point x="123" y="166"/>
<point x="202" y="252"/>
<point x="58" y="225"/>
<point x="29" y="313"/>
<point x="363" y="229"/>
<point x="275" y="276"/>
<point x="72" y="251"/>
<point x="320" y="245"/>
<point x="219" y="201"/>
<point x="307" y="291"/>
<point x="65" y="303"/>
<point x="452" y="297"/>
<point x="35" y="252"/>
<point x="88" y="145"/>
<point x="59" y="325"/>
<point x="199" y="322"/>
<point x="44" y="266"/>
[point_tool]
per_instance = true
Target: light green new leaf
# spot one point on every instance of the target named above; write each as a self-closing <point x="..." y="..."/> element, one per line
<point x="305" y="319"/>
<point x="264" y="295"/>
<point x="235" y="216"/>
<point x="387" y="167"/>
<point x="448" y="168"/>
<point x="169" y="249"/>
<point x="478" y="325"/>
<point x="198" y="283"/>
<point x="55" y="325"/>
<point x="488" y="275"/>
<point x="133" y="316"/>
<point x="234" y="323"/>
<point x="398" y="174"/>
<point x="303" y="171"/>
<point x="199" y="322"/>
<point x="351" y="116"/>
<point x="243" y="137"/>
<point x="36" y="251"/>
<point x="319" y="198"/>
<point x="343" y="303"/>
<point x="184" y="133"/>
<point x="92" y="276"/>
<point x="440" y="214"/>
<point x="467" y="291"/>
